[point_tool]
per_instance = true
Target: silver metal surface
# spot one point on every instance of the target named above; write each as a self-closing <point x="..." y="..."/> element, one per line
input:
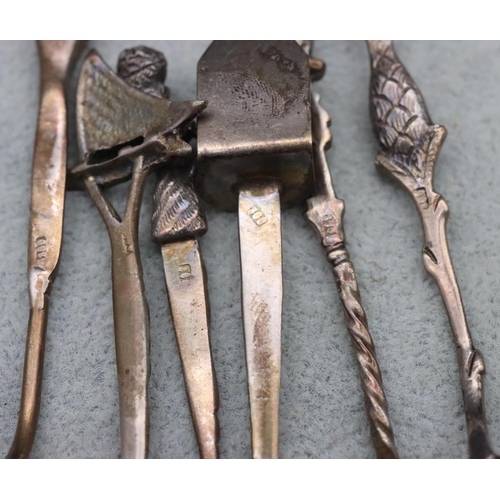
<point x="188" y="298"/>
<point x="255" y="154"/>
<point x="125" y="133"/>
<point x="46" y="225"/>
<point x="410" y="145"/>
<point x="176" y="223"/>
<point x="326" y="213"/>
<point x="259" y="220"/>
<point x="257" y="122"/>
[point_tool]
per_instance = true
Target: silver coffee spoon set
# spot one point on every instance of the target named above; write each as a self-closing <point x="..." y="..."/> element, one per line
<point x="254" y="142"/>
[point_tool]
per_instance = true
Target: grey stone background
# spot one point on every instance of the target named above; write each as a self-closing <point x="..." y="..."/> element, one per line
<point x="322" y="413"/>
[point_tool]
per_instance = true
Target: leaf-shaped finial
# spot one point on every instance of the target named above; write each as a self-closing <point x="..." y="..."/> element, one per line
<point x="410" y="140"/>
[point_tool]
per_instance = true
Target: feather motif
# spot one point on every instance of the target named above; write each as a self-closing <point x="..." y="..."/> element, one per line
<point x="409" y="139"/>
<point x="177" y="214"/>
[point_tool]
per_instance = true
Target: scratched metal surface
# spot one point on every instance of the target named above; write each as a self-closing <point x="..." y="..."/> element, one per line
<point x="322" y="413"/>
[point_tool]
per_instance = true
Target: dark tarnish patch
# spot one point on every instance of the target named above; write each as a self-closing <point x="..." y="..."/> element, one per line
<point x="254" y="97"/>
<point x="478" y="444"/>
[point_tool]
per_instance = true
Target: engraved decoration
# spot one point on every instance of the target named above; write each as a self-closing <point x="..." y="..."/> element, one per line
<point x="177" y="223"/>
<point x="410" y="140"/>
<point x="177" y="214"/>
<point x="325" y="212"/>
<point x="410" y="144"/>
<point x="126" y="133"/>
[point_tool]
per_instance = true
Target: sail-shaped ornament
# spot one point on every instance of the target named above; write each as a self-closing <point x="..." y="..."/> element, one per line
<point x="125" y="133"/>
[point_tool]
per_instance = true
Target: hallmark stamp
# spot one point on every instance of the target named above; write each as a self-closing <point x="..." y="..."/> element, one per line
<point x="257" y="215"/>
<point x="41" y="248"/>
<point x="127" y="245"/>
<point x="330" y="228"/>
<point x="184" y="272"/>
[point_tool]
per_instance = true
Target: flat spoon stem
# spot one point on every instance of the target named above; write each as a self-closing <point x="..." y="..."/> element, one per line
<point x="188" y="298"/>
<point x="131" y="316"/>
<point x="32" y="381"/>
<point x="262" y="293"/>
<point x="48" y="184"/>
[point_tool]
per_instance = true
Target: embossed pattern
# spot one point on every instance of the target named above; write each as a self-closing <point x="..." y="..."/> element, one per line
<point x="177" y="223"/>
<point x="369" y="370"/>
<point x="326" y="213"/>
<point x="410" y="146"/>
<point x="107" y="102"/>
<point x="255" y="96"/>
<point x="109" y="113"/>
<point x="177" y="214"/>
<point x="400" y="118"/>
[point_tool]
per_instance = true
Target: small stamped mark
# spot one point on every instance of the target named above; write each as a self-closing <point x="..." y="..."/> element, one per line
<point x="257" y="215"/>
<point x="184" y="272"/>
<point x="41" y="248"/>
<point x="127" y="245"/>
<point x="330" y="228"/>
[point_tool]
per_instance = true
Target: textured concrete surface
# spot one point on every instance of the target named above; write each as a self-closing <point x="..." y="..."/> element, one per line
<point x="322" y="413"/>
